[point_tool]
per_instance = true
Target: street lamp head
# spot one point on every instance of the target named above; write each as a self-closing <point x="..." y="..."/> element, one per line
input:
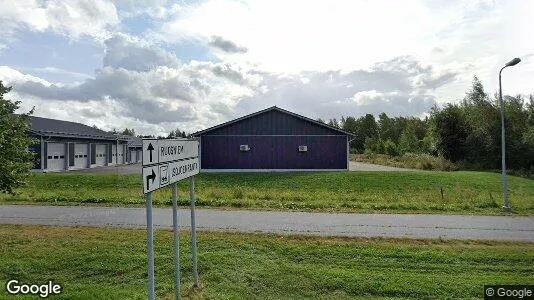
<point x="513" y="62"/>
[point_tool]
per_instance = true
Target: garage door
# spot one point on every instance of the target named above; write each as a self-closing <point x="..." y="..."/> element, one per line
<point x="100" y="155"/>
<point x="133" y="156"/>
<point x="120" y="154"/>
<point x="55" y="156"/>
<point x="81" y="159"/>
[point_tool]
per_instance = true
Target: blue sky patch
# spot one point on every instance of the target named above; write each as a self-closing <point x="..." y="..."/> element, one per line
<point x="33" y="51"/>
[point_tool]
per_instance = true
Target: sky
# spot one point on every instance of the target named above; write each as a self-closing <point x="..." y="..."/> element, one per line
<point x="159" y="65"/>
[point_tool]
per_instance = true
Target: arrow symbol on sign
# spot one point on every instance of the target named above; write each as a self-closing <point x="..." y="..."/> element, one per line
<point x="151" y="176"/>
<point x="150" y="148"/>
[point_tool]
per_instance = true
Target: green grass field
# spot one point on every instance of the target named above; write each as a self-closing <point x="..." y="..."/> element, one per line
<point x="463" y="192"/>
<point x="95" y="263"/>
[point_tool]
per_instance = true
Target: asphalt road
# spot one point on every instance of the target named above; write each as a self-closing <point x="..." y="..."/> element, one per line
<point x="325" y="224"/>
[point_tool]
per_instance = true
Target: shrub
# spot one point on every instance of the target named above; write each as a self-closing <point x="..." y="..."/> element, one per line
<point x="390" y="148"/>
<point x="409" y="160"/>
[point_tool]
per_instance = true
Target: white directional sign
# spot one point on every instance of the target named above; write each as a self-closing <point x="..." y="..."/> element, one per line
<point x="159" y="151"/>
<point x="168" y="161"/>
<point x="150" y="179"/>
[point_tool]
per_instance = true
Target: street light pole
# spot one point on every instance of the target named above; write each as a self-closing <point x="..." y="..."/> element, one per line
<point x="506" y="207"/>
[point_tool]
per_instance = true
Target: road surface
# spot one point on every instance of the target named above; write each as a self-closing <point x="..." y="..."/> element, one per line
<point x="324" y="224"/>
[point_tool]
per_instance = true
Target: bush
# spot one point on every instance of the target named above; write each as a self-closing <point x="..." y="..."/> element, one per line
<point x="408" y="160"/>
<point x="390" y="148"/>
<point x="370" y="145"/>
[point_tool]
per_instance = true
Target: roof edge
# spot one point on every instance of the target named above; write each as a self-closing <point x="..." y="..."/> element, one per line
<point x="272" y="108"/>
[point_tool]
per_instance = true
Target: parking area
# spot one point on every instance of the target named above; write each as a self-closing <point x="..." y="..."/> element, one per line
<point x="121" y="169"/>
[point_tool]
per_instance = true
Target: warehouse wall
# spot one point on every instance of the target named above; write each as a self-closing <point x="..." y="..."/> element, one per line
<point x="274" y="138"/>
<point x="274" y="152"/>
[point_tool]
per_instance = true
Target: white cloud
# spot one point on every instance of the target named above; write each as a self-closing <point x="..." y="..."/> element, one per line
<point x="123" y="51"/>
<point x="59" y="71"/>
<point x="401" y="86"/>
<point x="15" y="77"/>
<point x="318" y="58"/>
<point x="306" y="35"/>
<point x="74" y="18"/>
<point x="196" y="95"/>
<point x="157" y="9"/>
<point x="472" y="37"/>
<point x="143" y="83"/>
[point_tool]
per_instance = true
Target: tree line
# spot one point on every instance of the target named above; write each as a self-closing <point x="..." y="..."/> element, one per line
<point x="467" y="133"/>
<point x="172" y="135"/>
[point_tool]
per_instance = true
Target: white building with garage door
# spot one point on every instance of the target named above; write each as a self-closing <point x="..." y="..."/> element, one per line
<point x="67" y="145"/>
<point x="135" y="150"/>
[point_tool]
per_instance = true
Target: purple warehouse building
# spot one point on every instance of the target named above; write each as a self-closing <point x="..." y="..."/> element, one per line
<point x="273" y="139"/>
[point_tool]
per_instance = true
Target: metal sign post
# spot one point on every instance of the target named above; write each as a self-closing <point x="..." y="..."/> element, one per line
<point x="193" y="229"/>
<point x="166" y="162"/>
<point x="150" y="246"/>
<point x="176" y="237"/>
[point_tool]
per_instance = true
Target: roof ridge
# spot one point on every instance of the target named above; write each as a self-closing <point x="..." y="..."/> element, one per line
<point x="267" y="110"/>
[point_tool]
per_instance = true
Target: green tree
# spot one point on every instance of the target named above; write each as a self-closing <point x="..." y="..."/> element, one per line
<point x="476" y="95"/>
<point x="530" y="110"/>
<point x="370" y="145"/>
<point x="127" y="131"/>
<point x="334" y="123"/>
<point x="408" y="141"/>
<point x="451" y="132"/>
<point x="15" y="160"/>
<point x="390" y="148"/>
<point x="516" y="122"/>
<point x="368" y="126"/>
<point x="528" y="142"/>
<point x="385" y="126"/>
<point x="482" y="116"/>
<point x="429" y="143"/>
<point x="176" y="134"/>
<point x="350" y="124"/>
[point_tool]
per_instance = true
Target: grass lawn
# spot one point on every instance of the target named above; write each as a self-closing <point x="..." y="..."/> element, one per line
<point x="93" y="263"/>
<point x="463" y="192"/>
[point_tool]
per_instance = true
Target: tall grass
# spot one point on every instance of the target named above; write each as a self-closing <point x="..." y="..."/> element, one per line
<point x="408" y="160"/>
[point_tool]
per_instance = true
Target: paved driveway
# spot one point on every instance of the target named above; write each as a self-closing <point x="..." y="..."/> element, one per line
<point x="324" y="224"/>
<point x="121" y="169"/>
